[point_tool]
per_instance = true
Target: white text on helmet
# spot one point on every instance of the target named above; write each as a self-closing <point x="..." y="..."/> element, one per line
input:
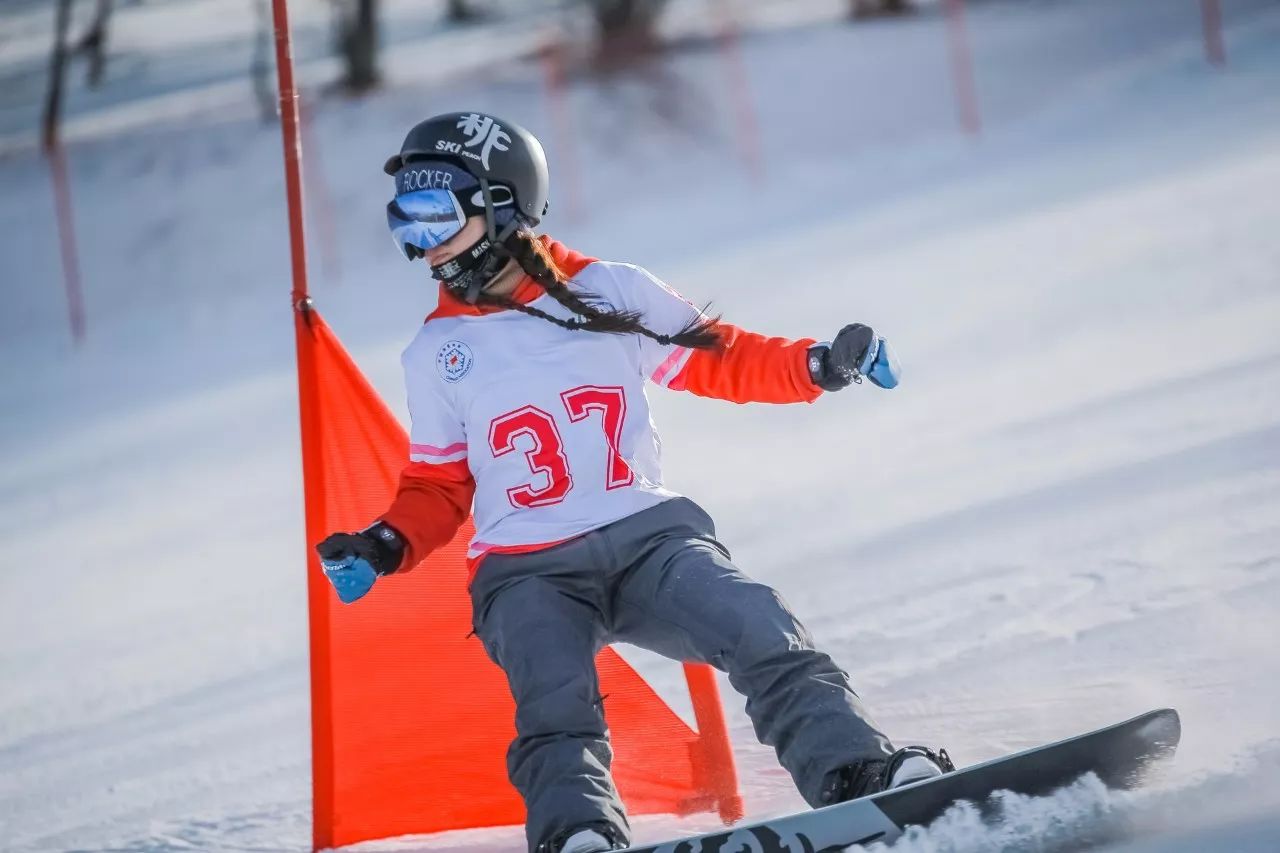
<point x="483" y="130"/>
<point x="425" y="179"/>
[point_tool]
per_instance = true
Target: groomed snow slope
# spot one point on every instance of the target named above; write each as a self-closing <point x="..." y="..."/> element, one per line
<point x="1067" y="513"/>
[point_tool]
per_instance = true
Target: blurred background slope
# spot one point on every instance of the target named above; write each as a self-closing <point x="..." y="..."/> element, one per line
<point x="1066" y="514"/>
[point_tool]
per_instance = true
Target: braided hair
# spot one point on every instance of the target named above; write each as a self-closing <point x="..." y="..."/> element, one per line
<point x="592" y="314"/>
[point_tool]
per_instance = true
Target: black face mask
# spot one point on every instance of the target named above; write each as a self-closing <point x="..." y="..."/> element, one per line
<point x="457" y="273"/>
<point x="466" y="275"/>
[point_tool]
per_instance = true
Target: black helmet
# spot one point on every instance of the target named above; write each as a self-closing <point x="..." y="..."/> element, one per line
<point x="493" y="150"/>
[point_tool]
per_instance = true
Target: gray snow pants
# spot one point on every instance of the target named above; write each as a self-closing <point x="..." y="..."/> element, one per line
<point x="657" y="579"/>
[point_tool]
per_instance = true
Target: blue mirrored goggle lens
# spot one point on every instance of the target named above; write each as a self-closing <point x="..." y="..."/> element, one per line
<point x="424" y="218"/>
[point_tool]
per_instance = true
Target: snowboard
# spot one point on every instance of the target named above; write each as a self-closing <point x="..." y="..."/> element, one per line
<point x="1118" y="754"/>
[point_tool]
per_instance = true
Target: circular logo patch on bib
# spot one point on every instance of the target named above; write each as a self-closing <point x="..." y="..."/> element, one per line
<point x="454" y="360"/>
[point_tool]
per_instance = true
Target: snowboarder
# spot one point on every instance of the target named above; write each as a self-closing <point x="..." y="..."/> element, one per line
<point x="539" y="349"/>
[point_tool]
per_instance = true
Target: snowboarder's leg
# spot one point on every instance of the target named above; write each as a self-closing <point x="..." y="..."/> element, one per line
<point x="683" y="598"/>
<point x="546" y="641"/>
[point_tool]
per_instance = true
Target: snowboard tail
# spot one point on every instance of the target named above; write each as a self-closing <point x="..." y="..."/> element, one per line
<point x="1118" y="754"/>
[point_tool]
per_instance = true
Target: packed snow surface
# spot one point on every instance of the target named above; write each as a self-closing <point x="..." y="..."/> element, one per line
<point x="1068" y="513"/>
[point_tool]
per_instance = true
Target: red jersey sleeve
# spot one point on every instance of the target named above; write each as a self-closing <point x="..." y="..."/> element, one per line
<point x="430" y="505"/>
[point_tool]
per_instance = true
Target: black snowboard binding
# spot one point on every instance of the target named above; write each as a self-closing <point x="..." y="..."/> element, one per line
<point x="907" y="765"/>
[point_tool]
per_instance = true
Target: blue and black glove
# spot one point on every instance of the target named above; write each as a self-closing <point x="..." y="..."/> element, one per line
<point x="857" y="351"/>
<point x="353" y="561"/>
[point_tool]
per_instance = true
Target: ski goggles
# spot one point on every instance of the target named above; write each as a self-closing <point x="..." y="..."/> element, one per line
<point x="424" y="219"/>
<point x="432" y="203"/>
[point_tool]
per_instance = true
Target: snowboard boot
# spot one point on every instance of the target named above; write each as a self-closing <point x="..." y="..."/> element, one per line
<point x="907" y="765"/>
<point x="591" y="838"/>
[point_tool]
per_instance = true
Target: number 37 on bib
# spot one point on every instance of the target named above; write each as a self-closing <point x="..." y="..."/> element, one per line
<point x="547" y="454"/>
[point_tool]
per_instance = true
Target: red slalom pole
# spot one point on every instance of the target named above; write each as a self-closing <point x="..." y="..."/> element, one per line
<point x="67" y="240"/>
<point x="1211" y="22"/>
<point x="322" y="757"/>
<point x="715" y="766"/>
<point x="962" y="67"/>
<point x="289" y="130"/>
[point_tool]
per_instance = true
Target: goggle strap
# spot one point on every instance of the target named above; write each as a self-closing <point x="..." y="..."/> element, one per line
<point x="494" y="256"/>
<point x="490" y="224"/>
<point x="490" y="229"/>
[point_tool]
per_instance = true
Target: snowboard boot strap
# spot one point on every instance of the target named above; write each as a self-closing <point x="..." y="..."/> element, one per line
<point x="892" y="769"/>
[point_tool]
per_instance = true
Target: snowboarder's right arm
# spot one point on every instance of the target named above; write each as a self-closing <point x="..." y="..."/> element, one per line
<point x="431" y="502"/>
<point x="436" y="487"/>
<point x="430" y="505"/>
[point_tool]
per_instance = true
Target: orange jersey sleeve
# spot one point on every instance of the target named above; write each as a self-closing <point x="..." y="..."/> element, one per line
<point x="430" y="505"/>
<point x="749" y="368"/>
<point x="746" y="368"/>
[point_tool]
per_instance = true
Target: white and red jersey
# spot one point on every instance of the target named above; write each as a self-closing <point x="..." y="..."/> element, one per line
<point x="546" y="429"/>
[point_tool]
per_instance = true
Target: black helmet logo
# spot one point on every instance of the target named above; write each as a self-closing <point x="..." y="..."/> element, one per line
<point x="485" y="133"/>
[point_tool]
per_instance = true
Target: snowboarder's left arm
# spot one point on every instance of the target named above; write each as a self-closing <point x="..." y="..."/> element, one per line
<point x="749" y="367"/>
